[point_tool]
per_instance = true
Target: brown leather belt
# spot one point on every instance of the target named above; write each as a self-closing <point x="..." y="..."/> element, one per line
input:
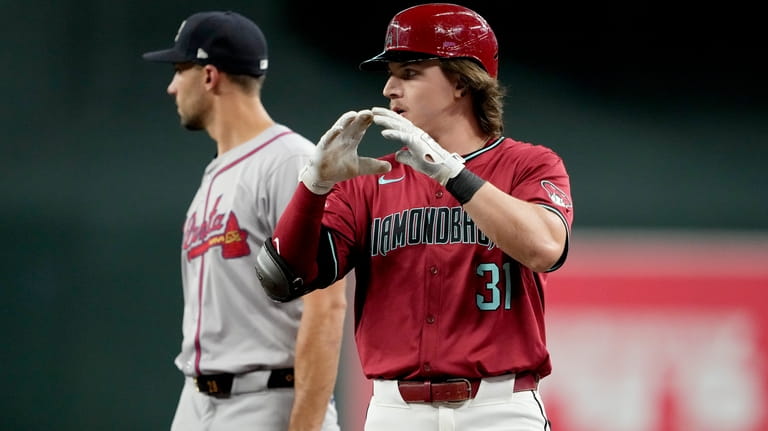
<point x="452" y="390"/>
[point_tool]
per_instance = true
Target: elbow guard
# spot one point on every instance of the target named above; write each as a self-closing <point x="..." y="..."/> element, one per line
<point x="276" y="277"/>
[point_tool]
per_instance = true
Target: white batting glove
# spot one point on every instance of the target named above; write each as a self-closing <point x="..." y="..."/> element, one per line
<point x="423" y="153"/>
<point x="336" y="158"/>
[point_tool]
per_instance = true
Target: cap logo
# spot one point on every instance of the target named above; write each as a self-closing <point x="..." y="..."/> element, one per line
<point x="201" y="53"/>
<point x="178" y="32"/>
<point x="264" y="64"/>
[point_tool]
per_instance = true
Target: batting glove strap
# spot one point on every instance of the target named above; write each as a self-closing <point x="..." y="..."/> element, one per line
<point x="309" y="177"/>
<point x="464" y="185"/>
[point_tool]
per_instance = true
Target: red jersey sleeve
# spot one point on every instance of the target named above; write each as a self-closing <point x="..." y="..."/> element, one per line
<point x="532" y="173"/>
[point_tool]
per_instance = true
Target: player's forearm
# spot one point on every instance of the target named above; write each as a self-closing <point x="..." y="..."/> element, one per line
<point x="318" y="347"/>
<point x="297" y="233"/>
<point x="528" y="233"/>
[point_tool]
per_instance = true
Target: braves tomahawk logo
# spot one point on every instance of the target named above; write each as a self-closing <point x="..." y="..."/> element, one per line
<point x="232" y="241"/>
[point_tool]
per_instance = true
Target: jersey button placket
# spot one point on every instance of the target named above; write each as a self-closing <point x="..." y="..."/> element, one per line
<point x="430" y="331"/>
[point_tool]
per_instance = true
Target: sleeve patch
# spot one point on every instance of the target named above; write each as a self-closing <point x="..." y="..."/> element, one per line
<point x="557" y="196"/>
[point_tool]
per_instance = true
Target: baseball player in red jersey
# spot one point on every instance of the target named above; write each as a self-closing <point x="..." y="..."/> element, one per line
<point x="250" y="363"/>
<point x="451" y="238"/>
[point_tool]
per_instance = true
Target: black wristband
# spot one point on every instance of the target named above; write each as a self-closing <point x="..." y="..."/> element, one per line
<point x="464" y="185"/>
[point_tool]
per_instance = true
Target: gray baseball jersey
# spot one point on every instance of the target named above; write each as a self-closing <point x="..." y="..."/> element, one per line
<point x="229" y="324"/>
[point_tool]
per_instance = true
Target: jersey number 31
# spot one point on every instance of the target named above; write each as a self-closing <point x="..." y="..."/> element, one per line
<point x="492" y="301"/>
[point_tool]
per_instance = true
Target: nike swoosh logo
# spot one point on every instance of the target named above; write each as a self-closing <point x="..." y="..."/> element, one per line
<point x="383" y="180"/>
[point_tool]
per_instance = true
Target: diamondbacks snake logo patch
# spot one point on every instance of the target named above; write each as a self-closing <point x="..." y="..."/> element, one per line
<point x="557" y="196"/>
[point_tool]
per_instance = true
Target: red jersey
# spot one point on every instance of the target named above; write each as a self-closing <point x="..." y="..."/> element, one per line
<point x="435" y="297"/>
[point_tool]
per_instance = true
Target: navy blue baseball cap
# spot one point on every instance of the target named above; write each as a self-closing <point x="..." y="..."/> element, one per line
<point x="227" y="40"/>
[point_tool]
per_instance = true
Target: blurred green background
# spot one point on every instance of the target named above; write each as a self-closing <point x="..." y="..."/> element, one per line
<point x="660" y="128"/>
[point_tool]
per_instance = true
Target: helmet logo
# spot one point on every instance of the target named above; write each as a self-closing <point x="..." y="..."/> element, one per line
<point x="393" y="35"/>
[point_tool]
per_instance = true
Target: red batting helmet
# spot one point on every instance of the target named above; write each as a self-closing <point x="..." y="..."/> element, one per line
<point x="438" y="30"/>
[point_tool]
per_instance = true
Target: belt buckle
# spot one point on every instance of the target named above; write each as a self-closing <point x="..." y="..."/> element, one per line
<point x="469" y="388"/>
<point x="197" y="384"/>
<point x="211" y="387"/>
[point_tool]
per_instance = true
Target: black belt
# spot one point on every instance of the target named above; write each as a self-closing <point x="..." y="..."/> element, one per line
<point x="220" y="385"/>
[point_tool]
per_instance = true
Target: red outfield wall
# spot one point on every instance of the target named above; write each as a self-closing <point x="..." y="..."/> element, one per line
<point x="648" y="331"/>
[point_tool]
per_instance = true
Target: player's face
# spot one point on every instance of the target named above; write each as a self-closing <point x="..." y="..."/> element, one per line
<point x="422" y="93"/>
<point x="188" y="90"/>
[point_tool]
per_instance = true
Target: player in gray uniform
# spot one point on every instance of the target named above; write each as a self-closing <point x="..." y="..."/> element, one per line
<point x="250" y="362"/>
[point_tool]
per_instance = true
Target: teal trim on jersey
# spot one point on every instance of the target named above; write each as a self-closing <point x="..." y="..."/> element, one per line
<point x="482" y="150"/>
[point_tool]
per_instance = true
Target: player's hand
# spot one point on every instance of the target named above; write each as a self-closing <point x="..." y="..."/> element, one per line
<point x="336" y="158"/>
<point x="422" y="153"/>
